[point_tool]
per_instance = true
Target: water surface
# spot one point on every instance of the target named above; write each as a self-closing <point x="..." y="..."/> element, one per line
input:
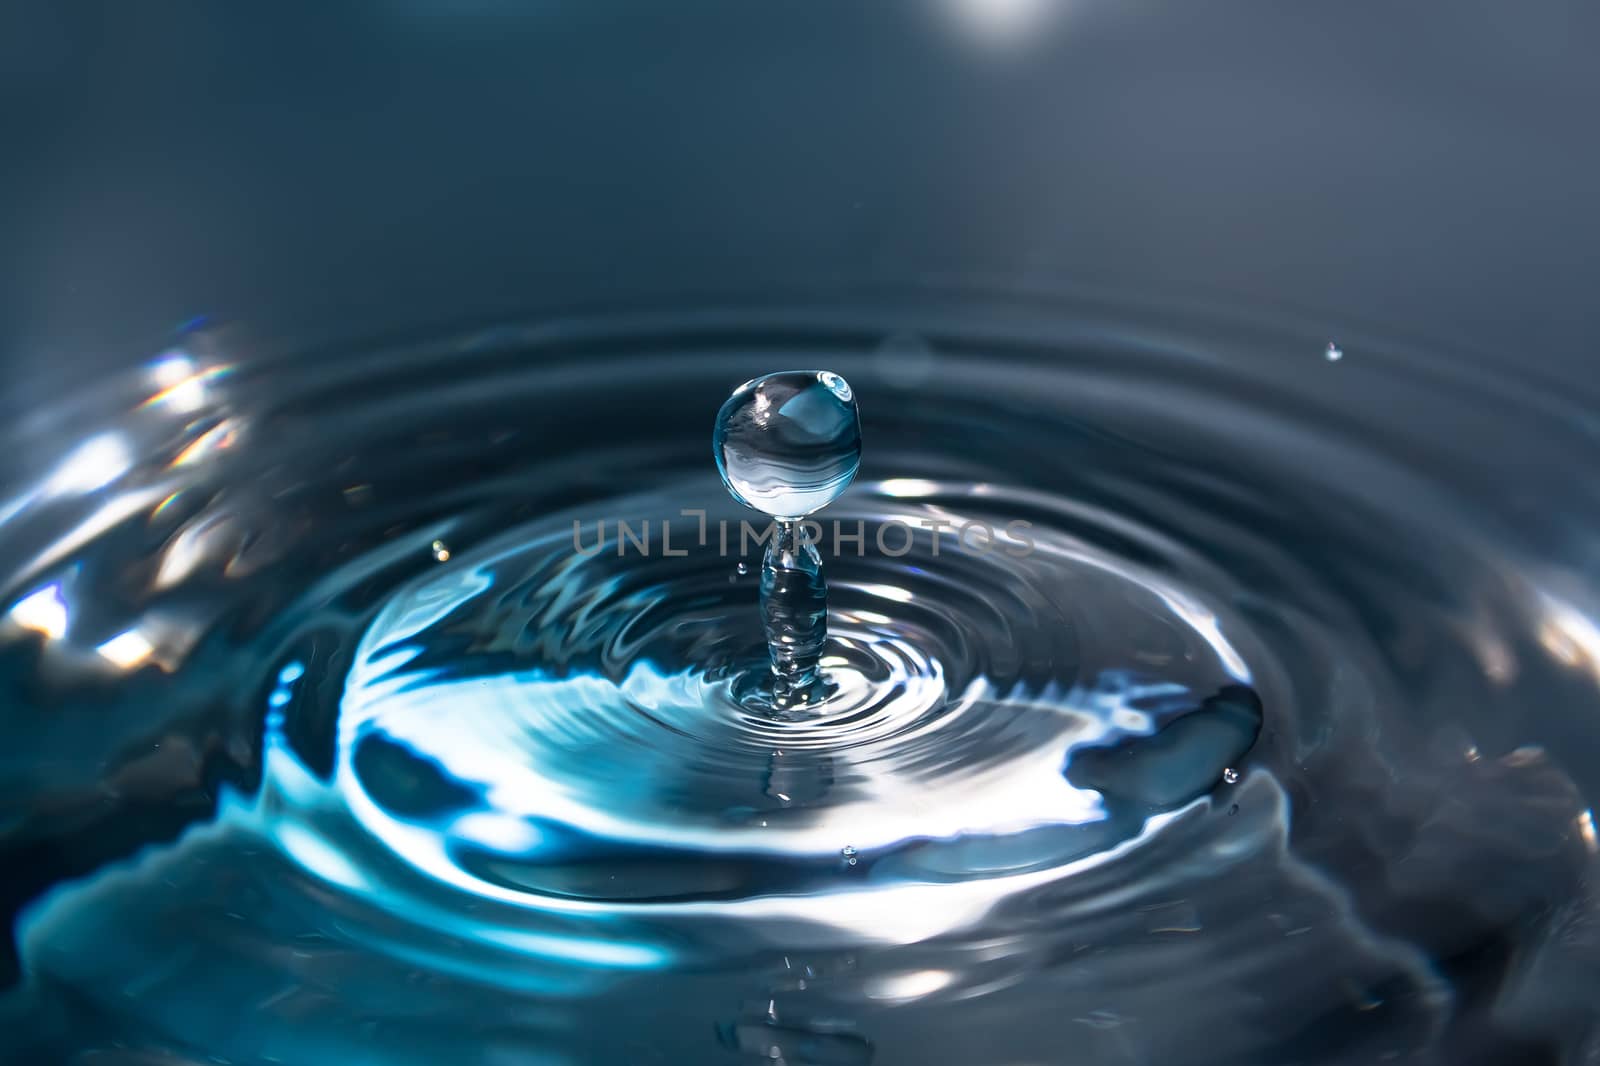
<point x="1271" y="739"/>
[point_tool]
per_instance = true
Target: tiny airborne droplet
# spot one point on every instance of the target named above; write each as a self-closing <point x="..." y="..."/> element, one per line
<point x="440" y="551"/>
<point x="742" y="569"/>
<point x="1334" y="353"/>
<point x="1231" y="776"/>
<point x="848" y="853"/>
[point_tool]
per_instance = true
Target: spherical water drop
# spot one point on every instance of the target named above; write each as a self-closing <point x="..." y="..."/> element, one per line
<point x="1334" y="353"/>
<point x="441" y="551"/>
<point x="1230" y="775"/>
<point x="848" y="854"/>
<point x="742" y="569"/>
<point x="789" y="443"/>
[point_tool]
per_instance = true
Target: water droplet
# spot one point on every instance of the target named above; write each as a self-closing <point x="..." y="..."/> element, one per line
<point x="742" y="569"/>
<point x="1230" y="775"/>
<point x="441" y="552"/>
<point x="1333" y="352"/>
<point x="848" y="853"/>
<point x="789" y="443"/>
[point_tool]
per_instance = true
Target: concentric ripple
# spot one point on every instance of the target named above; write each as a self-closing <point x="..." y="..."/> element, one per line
<point x="573" y="727"/>
<point x="1192" y="698"/>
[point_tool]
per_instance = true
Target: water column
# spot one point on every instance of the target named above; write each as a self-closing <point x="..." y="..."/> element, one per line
<point x="787" y="444"/>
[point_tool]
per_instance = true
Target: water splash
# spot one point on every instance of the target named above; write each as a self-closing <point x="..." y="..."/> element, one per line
<point x="517" y="800"/>
<point x="794" y="609"/>
<point x="788" y="444"/>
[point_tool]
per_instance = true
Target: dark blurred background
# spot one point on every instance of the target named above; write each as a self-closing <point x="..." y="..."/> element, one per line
<point x="321" y="170"/>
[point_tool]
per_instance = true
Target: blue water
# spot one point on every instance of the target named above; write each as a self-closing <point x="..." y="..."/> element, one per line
<point x="1177" y="704"/>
